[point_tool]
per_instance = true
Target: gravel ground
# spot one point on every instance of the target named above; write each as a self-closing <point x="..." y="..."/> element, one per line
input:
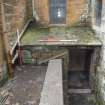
<point x="25" y="88"/>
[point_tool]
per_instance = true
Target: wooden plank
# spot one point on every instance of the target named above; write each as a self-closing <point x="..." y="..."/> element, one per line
<point x="25" y="27"/>
<point x="52" y="92"/>
<point x="51" y="58"/>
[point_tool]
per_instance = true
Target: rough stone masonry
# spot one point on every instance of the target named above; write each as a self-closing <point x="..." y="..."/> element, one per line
<point x="15" y="13"/>
<point x="3" y="64"/>
<point x="100" y="31"/>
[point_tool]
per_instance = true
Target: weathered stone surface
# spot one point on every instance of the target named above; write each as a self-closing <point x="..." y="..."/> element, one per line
<point x="41" y="54"/>
<point x="52" y="92"/>
<point x="59" y="36"/>
<point x="3" y="65"/>
<point x="100" y="31"/>
<point x="25" y="88"/>
<point x="16" y="14"/>
<point x="77" y="12"/>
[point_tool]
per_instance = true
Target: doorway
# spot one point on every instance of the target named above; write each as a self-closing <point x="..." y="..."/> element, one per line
<point x="79" y="68"/>
<point x="57" y="11"/>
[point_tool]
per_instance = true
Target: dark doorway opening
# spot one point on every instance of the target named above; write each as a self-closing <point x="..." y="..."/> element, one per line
<point x="57" y="11"/>
<point x="79" y="68"/>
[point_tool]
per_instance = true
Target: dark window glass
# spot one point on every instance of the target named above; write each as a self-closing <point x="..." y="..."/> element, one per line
<point x="57" y="11"/>
<point x="98" y="12"/>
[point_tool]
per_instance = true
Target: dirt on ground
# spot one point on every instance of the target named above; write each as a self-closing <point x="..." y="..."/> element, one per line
<point x="25" y="88"/>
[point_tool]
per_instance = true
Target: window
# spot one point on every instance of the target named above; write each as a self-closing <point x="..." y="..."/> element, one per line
<point x="98" y="12"/>
<point x="57" y="11"/>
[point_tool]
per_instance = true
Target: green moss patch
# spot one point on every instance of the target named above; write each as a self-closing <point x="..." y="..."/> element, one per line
<point x="83" y="35"/>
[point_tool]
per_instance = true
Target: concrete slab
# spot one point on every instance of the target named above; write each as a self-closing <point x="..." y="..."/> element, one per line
<point x="52" y="92"/>
<point x="71" y="36"/>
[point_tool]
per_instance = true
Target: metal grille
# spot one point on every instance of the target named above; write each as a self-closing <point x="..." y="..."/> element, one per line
<point x="3" y="95"/>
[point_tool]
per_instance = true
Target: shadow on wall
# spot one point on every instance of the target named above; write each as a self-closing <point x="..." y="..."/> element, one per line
<point x="4" y="74"/>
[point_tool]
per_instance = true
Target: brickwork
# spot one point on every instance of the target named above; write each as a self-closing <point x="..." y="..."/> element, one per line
<point x="75" y="11"/>
<point x="42" y="9"/>
<point x="16" y="14"/>
<point x="13" y="15"/>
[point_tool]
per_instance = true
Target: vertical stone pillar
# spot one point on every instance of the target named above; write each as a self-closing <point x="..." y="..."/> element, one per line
<point x="1" y="57"/>
<point x="100" y="31"/>
<point x="3" y="65"/>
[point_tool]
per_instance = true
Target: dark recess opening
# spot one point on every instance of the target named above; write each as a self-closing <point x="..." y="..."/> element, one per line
<point x="98" y="12"/>
<point x="57" y="11"/>
<point x="79" y="68"/>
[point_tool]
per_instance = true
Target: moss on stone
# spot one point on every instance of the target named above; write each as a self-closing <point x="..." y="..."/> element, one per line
<point x="83" y="35"/>
<point x="33" y="33"/>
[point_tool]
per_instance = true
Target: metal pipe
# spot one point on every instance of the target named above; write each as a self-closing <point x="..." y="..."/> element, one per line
<point x="33" y="8"/>
<point x="35" y="15"/>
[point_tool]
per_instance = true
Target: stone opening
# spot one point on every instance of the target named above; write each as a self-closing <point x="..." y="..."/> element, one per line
<point x="79" y="68"/>
<point x="82" y="75"/>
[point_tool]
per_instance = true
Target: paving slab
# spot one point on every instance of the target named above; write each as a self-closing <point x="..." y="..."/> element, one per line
<point x="52" y="92"/>
<point x="25" y="88"/>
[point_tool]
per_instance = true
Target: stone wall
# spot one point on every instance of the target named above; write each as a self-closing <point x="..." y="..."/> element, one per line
<point x="16" y="14"/>
<point x="100" y="32"/>
<point x="40" y="54"/>
<point x="76" y="12"/>
<point x="42" y="9"/>
<point x="3" y="65"/>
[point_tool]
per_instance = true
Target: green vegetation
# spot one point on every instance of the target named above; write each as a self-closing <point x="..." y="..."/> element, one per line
<point x="83" y="35"/>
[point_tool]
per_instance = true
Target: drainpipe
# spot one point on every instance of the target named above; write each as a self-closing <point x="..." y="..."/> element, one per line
<point x="35" y="15"/>
<point x="33" y="7"/>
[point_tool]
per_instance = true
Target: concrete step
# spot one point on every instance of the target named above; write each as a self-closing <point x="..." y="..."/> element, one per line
<point x="52" y="92"/>
<point x="78" y="91"/>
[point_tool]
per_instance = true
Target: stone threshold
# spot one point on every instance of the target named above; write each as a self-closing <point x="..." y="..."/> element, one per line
<point x="79" y="91"/>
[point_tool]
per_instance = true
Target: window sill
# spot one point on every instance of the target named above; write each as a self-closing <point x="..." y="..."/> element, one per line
<point x="58" y="25"/>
